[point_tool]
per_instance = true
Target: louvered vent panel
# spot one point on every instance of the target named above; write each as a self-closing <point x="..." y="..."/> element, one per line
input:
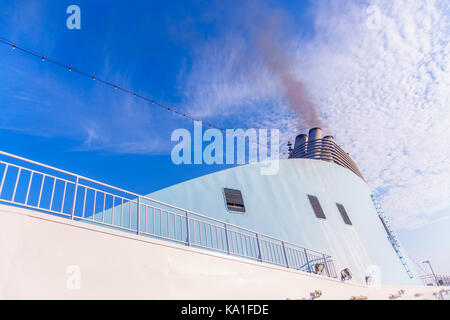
<point x="344" y="213"/>
<point x="234" y="200"/>
<point x="316" y="207"/>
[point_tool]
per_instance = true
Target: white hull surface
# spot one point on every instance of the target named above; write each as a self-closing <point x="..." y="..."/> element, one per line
<point x="49" y="257"/>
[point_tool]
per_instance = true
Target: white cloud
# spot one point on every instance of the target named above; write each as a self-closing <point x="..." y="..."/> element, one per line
<point x="384" y="93"/>
<point x="386" y="96"/>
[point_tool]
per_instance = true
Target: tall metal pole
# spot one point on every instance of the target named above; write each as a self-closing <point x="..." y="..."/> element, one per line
<point x="432" y="271"/>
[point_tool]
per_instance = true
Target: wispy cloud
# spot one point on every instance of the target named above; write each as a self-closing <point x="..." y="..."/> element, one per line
<point x="383" y="90"/>
<point x="100" y="118"/>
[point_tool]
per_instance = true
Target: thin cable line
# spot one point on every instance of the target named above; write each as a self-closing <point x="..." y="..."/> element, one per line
<point x="113" y="85"/>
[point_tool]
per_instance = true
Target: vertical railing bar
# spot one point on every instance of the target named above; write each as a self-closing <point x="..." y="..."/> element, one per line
<point x="112" y="209"/>
<point x="222" y="239"/>
<point x="295" y="258"/>
<point x="130" y="203"/>
<point x="206" y="235"/>
<point x="234" y="241"/>
<point x="266" y="252"/>
<point x="175" y="233"/>
<point x="29" y="186"/>
<point x="72" y="213"/>
<point x="307" y="260"/>
<point x="138" y="213"/>
<point x="269" y="251"/>
<point x="146" y="223"/>
<point x="226" y="238"/>
<point x="210" y="234"/>
<point x="40" y="191"/>
<point x="259" y="248"/>
<point x="193" y="231"/>
<point x="95" y="202"/>
<point x="121" y="211"/>
<point x="16" y="183"/>
<point x="84" y="201"/>
<point x="242" y="246"/>
<point x="199" y="232"/>
<point x="326" y="265"/>
<point x="167" y="222"/>
<point x="246" y="246"/>
<point x="64" y="196"/>
<point x="104" y="207"/>
<point x="285" y="255"/>
<point x="160" y="223"/>
<point x="262" y="248"/>
<point x="288" y="256"/>
<point x="153" y="220"/>
<point x="217" y="237"/>
<point x="274" y="254"/>
<point x="53" y="193"/>
<point x="3" y="177"/>
<point x="181" y="224"/>
<point x="280" y="255"/>
<point x="251" y="244"/>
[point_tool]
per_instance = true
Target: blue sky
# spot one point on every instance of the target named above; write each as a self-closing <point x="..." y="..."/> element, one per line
<point x="380" y="87"/>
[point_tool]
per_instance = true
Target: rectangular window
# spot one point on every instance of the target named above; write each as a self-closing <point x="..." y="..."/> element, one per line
<point x="234" y="200"/>
<point x="316" y="207"/>
<point x="344" y="213"/>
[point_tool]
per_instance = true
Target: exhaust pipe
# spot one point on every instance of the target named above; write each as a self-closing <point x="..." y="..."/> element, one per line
<point x="314" y="147"/>
<point x="300" y="146"/>
<point x="327" y="148"/>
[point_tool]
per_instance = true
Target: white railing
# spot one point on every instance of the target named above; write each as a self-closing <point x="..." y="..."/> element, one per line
<point x="34" y="185"/>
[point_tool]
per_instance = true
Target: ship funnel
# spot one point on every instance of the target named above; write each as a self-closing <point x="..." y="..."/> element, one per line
<point x="300" y="146"/>
<point x="314" y="147"/>
<point x="327" y="148"/>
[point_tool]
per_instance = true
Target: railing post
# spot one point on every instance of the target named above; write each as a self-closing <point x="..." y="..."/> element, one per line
<point x="285" y="255"/>
<point x="226" y="238"/>
<point x="74" y="199"/>
<point x="307" y="260"/>
<point x="188" y="236"/>
<point x="138" y="214"/>
<point x="326" y="265"/>
<point x="259" y="248"/>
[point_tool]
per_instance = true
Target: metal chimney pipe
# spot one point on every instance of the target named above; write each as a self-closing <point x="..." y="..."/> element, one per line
<point x="300" y="145"/>
<point x="327" y="148"/>
<point x="314" y="147"/>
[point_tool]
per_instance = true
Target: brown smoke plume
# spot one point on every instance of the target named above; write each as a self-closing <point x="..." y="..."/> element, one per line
<point x="267" y="41"/>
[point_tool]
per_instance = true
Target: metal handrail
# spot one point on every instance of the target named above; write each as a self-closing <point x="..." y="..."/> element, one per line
<point x="430" y="279"/>
<point x="59" y="192"/>
<point x="326" y="150"/>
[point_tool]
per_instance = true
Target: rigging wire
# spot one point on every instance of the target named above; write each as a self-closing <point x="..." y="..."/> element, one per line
<point x="419" y="266"/>
<point x="113" y="85"/>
